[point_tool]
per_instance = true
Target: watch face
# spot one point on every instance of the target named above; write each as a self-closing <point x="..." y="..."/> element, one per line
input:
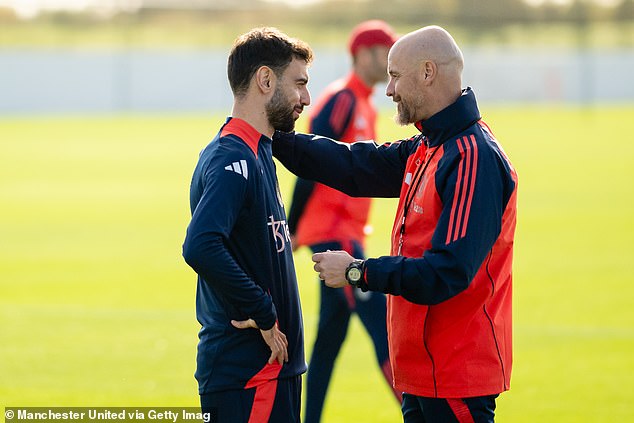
<point x="354" y="274"/>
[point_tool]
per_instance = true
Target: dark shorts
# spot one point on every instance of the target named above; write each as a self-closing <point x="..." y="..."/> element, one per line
<point x="448" y="410"/>
<point x="274" y="401"/>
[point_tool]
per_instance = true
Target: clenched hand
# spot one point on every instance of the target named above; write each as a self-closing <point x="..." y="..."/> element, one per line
<point x="332" y="266"/>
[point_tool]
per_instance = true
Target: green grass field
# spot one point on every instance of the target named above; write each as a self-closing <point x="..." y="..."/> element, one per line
<point x="97" y="305"/>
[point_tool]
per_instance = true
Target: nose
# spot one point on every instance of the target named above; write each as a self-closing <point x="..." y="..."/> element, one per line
<point x="305" y="99"/>
<point x="389" y="90"/>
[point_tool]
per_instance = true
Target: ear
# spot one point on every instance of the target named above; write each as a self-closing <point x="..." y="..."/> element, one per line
<point x="265" y="79"/>
<point x="429" y="70"/>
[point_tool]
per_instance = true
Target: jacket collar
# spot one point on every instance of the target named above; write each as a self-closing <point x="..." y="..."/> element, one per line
<point x="451" y="120"/>
<point x="358" y="86"/>
<point x="243" y="130"/>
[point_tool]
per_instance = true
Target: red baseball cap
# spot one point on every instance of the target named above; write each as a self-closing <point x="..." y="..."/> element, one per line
<point x="371" y="33"/>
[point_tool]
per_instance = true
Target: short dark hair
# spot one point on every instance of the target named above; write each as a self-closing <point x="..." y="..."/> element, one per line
<point x="262" y="47"/>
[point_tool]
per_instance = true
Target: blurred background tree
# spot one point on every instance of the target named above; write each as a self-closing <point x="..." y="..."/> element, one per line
<point x="216" y="22"/>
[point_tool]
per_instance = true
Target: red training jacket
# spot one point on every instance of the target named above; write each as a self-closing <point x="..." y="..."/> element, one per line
<point x="449" y="274"/>
<point x="459" y="347"/>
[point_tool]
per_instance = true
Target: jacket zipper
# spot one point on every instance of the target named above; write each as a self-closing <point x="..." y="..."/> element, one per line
<point x="411" y="192"/>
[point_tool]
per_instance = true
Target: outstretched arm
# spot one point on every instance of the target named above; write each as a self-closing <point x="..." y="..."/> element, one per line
<point x="461" y="241"/>
<point x="361" y="169"/>
<point x="474" y="194"/>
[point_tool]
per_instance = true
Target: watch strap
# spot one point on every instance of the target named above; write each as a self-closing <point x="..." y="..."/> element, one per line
<point x="360" y="266"/>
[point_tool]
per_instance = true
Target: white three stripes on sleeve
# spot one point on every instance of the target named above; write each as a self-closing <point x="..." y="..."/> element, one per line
<point x="239" y="167"/>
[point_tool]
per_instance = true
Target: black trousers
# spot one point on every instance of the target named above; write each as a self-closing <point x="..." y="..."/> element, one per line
<point x="276" y="401"/>
<point x="448" y="410"/>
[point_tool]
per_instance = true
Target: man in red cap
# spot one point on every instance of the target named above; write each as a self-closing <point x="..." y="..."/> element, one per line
<point x="325" y="219"/>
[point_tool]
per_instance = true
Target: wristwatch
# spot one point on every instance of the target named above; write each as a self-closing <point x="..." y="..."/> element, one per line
<point x="354" y="273"/>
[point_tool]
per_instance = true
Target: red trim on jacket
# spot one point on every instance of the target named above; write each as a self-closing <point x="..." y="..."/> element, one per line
<point x="465" y="183"/>
<point x="243" y="130"/>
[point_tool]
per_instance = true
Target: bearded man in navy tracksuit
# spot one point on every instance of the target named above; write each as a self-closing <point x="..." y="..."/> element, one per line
<point x="251" y="350"/>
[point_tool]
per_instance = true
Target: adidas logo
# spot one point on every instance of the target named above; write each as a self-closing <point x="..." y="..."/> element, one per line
<point x="239" y="167"/>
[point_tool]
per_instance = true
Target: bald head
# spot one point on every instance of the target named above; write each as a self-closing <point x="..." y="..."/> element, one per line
<point x="431" y="43"/>
<point x="431" y="60"/>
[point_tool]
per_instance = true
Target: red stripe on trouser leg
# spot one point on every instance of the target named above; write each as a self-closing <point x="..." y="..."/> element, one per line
<point x="265" y="383"/>
<point x="460" y="410"/>
<point x="387" y="373"/>
<point x="263" y="402"/>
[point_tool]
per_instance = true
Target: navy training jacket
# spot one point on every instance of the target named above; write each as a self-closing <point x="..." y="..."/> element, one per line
<point x="238" y="244"/>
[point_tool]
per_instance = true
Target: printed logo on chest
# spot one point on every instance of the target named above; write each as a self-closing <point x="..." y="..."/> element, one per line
<point x="280" y="232"/>
<point x="417" y="206"/>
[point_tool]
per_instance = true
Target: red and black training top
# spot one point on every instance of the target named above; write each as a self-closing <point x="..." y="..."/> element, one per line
<point x="449" y="274"/>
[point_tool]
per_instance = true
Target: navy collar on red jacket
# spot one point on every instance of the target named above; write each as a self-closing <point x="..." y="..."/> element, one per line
<point x="452" y="120"/>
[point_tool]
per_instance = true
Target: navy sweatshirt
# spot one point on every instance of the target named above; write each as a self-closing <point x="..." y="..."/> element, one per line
<point x="238" y="244"/>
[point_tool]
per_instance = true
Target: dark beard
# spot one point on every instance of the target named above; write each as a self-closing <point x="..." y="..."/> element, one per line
<point x="279" y="113"/>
